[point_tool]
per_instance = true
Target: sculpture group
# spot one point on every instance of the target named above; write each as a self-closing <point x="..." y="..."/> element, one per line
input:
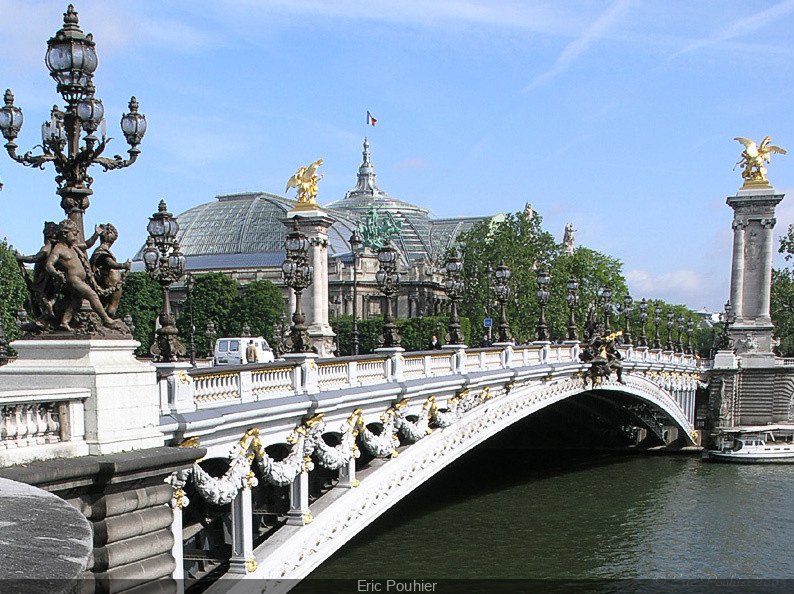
<point x="754" y="159"/>
<point x="64" y="277"/>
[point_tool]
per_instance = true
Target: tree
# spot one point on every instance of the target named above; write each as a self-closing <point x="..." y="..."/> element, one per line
<point x="214" y="297"/>
<point x="261" y="306"/>
<point x="519" y="241"/>
<point x="142" y="298"/>
<point x="782" y="297"/>
<point x="13" y="292"/>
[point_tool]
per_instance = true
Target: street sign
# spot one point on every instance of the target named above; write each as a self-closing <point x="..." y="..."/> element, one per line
<point x="487" y="323"/>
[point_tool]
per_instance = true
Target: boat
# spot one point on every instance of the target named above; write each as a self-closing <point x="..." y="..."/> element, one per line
<point x="766" y="445"/>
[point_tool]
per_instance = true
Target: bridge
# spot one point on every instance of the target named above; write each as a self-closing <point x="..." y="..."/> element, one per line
<point x="299" y="455"/>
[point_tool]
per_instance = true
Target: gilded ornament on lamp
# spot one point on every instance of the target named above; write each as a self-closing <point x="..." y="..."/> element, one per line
<point x="754" y="160"/>
<point x="251" y="565"/>
<point x="305" y="180"/>
<point x="190" y="442"/>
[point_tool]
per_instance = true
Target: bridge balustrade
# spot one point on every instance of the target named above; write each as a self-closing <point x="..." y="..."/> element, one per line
<point x="41" y="424"/>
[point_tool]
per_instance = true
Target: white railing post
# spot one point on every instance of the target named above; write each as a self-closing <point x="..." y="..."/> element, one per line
<point x="352" y="374"/>
<point x="242" y="530"/>
<point x="347" y="475"/>
<point x="246" y="389"/>
<point x="299" y="513"/>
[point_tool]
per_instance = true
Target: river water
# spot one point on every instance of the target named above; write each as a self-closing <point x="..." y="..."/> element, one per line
<point x="513" y="513"/>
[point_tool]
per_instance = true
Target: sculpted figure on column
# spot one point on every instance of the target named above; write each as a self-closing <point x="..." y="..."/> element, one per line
<point x="108" y="272"/>
<point x="755" y="157"/>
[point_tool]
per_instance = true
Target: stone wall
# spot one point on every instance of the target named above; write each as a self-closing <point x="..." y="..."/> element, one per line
<point x="126" y="500"/>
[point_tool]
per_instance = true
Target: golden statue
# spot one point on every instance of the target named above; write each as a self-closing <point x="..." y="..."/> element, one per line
<point x="305" y="179"/>
<point x="754" y="158"/>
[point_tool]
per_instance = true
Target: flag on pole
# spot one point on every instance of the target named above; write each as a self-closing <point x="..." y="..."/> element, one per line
<point x="371" y="120"/>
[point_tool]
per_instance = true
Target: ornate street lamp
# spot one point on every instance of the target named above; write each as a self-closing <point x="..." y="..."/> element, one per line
<point x="628" y="307"/>
<point x="643" y="322"/>
<point x="211" y="333"/>
<point x="728" y="318"/>
<point x="657" y="320"/>
<point x="573" y="300"/>
<point x="190" y="282"/>
<point x="668" y="346"/>
<point x="3" y="343"/>
<point x="679" y="343"/>
<point x="71" y="59"/>
<point x="165" y="264"/>
<point x="502" y="289"/>
<point x="355" y="245"/>
<point x="453" y="286"/>
<point x="543" y="279"/>
<point x="388" y="280"/>
<point x="605" y="296"/>
<point x="297" y="274"/>
<point x="690" y="327"/>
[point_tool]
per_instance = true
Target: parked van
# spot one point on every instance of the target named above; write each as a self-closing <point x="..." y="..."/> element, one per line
<point x="231" y="351"/>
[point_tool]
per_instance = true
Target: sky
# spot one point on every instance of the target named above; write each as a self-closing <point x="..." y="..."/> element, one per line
<point x="615" y="116"/>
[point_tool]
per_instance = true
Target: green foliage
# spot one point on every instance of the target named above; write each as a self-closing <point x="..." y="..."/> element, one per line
<point x="13" y="292"/>
<point x="414" y="336"/>
<point x="142" y="298"/>
<point x="261" y="306"/>
<point x="782" y="304"/>
<point x="215" y="297"/>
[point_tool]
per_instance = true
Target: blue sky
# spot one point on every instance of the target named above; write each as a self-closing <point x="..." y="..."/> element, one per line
<point x="618" y="117"/>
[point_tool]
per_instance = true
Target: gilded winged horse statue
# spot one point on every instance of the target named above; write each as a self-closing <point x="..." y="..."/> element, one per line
<point x="754" y="159"/>
<point x="305" y="180"/>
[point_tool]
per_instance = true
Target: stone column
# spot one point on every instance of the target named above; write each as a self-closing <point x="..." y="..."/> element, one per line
<point x="347" y="475"/>
<point x="751" y="274"/>
<point x="315" y="224"/>
<point x="737" y="266"/>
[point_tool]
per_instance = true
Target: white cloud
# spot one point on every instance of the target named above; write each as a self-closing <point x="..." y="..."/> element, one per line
<point x="677" y="286"/>
<point x="741" y="27"/>
<point x="581" y="44"/>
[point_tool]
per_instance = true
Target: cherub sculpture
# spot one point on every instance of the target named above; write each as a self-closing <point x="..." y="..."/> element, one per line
<point x="109" y="273"/>
<point x="305" y="180"/>
<point x="68" y="264"/>
<point x="754" y="159"/>
<point x="41" y="287"/>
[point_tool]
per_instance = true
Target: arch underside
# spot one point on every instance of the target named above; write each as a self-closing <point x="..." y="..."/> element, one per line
<point x="342" y="513"/>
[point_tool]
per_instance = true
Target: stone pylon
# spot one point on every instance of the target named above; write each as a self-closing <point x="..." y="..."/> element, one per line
<point x="751" y="274"/>
<point x="314" y="223"/>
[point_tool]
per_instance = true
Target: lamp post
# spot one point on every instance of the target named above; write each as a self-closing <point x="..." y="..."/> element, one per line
<point x="129" y="322"/>
<point x="165" y="264"/>
<point x="355" y="244"/>
<point x="453" y="287"/>
<point x="657" y="319"/>
<point x="543" y="279"/>
<point x="189" y="284"/>
<point x="679" y="344"/>
<point x="668" y="346"/>
<point x="690" y="327"/>
<point x="628" y="308"/>
<point x="211" y="333"/>
<point x="727" y="317"/>
<point x="573" y="300"/>
<point x="72" y="59"/>
<point x="605" y="293"/>
<point x="643" y="322"/>
<point x="297" y="274"/>
<point x="502" y="290"/>
<point x="487" y="307"/>
<point x="388" y="280"/>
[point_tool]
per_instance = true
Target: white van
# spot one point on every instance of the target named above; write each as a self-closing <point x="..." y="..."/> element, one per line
<point x="231" y="351"/>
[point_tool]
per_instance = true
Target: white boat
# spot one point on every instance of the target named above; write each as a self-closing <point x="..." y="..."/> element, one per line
<point x="754" y="447"/>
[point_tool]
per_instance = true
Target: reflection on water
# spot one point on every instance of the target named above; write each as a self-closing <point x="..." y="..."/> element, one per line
<point x="517" y="513"/>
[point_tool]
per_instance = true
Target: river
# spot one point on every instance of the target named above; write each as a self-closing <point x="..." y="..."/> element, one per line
<point x="513" y="513"/>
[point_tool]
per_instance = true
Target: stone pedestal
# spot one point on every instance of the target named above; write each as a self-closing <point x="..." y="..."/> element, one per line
<point x="751" y="273"/>
<point x="123" y="409"/>
<point x="314" y="224"/>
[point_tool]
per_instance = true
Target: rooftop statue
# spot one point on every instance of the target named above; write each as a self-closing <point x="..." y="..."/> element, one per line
<point x="568" y="239"/>
<point x="753" y="160"/>
<point x="376" y="231"/>
<point x="305" y="180"/>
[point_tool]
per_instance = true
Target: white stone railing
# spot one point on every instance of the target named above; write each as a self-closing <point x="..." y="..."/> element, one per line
<point x="40" y="424"/>
<point x="784" y="361"/>
<point x="371" y="371"/>
<point x="331" y="374"/>
<point x="216" y="387"/>
<point x="414" y="366"/>
<point x="272" y="381"/>
<point x="440" y="364"/>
